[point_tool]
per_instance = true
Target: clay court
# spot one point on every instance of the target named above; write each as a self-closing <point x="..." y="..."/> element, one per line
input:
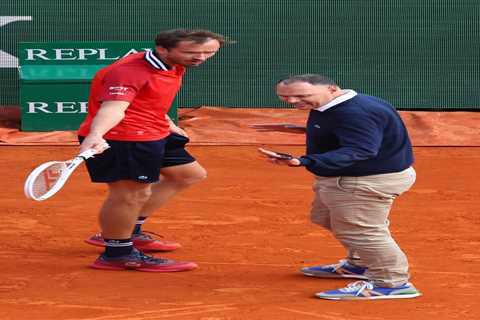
<point x="247" y="227"/>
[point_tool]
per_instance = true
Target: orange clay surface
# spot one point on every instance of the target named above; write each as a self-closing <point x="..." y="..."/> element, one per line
<point x="247" y="227"/>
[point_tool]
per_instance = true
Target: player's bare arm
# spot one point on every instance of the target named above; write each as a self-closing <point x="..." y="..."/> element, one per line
<point x="107" y="117"/>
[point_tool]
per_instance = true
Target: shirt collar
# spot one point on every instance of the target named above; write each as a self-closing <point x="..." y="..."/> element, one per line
<point x="152" y="58"/>
<point x="349" y="94"/>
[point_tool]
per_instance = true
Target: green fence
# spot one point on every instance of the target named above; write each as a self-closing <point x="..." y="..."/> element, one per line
<point x="419" y="54"/>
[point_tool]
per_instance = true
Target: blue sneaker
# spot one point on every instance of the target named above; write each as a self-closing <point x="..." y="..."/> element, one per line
<point x="363" y="290"/>
<point x="340" y="270"/>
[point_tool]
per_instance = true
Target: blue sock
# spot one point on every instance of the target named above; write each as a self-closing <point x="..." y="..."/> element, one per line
<point x="118" y="247"/>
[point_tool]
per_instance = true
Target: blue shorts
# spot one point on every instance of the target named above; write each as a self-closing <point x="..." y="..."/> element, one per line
<point x="140" y="161"/>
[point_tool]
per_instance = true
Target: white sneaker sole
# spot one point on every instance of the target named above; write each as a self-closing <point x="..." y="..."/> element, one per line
<point x="403" y="296"/>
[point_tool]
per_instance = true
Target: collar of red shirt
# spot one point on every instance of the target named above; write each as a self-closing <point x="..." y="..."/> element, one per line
<point x="158" y="64"/>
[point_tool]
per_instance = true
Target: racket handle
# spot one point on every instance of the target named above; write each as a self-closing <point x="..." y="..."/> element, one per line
<point x="87" y="154"/>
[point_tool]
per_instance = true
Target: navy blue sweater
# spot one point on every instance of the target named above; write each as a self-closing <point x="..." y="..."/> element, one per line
<point x="361" y="136"/>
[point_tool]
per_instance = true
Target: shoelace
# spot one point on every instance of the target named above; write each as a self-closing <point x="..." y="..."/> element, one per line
<point x="146" y="258"/>
<point x="357" y="286"/>
<point x="336" y="266"/>
<point x="147" y="235"/>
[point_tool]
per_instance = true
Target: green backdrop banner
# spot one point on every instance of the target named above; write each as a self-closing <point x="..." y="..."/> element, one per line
<point x="419" y="54"/>
<point x="55" y="80"/>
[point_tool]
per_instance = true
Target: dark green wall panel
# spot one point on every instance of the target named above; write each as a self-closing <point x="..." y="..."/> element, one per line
<point x="415" y="53"/>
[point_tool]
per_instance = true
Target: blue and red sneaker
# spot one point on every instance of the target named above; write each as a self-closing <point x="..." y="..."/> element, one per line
<point x="342" y="269"/>
<point x="138" y="261"/>
<point x="142" y="241"/>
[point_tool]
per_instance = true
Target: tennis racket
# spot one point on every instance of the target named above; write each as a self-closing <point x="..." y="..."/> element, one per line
<point x="48" y="178"/>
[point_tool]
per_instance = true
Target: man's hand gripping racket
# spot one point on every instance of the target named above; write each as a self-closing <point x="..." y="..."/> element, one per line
<point x="48" y="178"/>
<point x="280" y="157"/>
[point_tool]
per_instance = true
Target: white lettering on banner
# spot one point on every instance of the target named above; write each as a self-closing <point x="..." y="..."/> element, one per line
<point x="130" y="52"/>
<point x="40" y="53"/>
<point x="6" y="59"/>
<point x="66" y="107"/>
<point x="74" y="54"/>
<point x="103" y="55"/>
<point x="57" y="107"/>
<point x="32" y="106"/>
<point x="83" y="107"/>
<point x="135" y="51"/>
<point x="82" y="53"/>
<point x="64" y="54"/>
<point x="4" y="20"/>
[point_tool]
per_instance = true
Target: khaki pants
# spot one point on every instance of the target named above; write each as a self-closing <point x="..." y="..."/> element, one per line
<point x="355" y="210"/>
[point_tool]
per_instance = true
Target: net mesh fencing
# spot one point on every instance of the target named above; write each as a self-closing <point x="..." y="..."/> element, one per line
<point x="418" y="54"/>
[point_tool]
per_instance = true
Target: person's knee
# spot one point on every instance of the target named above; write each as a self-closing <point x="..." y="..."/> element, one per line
<point x="132" y="197"/>
<point x="199" y="176"/>
<point x="188" y="179"/>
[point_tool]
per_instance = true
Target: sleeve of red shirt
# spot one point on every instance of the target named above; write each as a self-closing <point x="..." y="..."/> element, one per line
<point x="121" y="85"/>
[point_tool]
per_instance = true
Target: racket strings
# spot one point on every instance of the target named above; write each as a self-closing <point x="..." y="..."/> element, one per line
<point x="47" y="179"/>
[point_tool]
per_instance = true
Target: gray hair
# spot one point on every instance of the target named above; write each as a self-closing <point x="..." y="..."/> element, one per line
<point x="314" y="79"/>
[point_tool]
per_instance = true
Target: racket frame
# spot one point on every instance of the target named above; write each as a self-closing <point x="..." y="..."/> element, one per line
<point x="70" y="166"/>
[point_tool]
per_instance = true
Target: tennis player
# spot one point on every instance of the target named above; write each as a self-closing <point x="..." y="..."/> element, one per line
<point x="360" y="153"/>
<point x="146" y="163"/>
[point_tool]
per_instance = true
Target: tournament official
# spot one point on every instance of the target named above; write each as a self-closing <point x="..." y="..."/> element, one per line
<point x="360" y="154"/>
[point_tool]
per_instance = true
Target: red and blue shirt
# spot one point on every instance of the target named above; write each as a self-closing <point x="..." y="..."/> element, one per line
<point x="150" y="87"/>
